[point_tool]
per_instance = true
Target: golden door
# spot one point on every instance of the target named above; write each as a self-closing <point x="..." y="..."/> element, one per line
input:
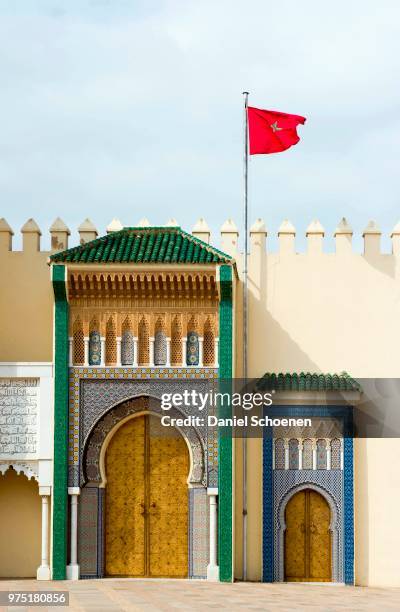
<point x="147" y="466"/>
<point x="307" y="538"/>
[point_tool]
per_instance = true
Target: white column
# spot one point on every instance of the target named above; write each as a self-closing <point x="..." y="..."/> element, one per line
<point x="168" y="364"/>
<point x="201" y="349"/>
<point x="151" y="352"/>
<point x="103" y="351"/>
<point x="212" y="568"/>
<point x="70" y="353"/>
<point x="184" y="344"/>
<point x="73" y="567"/>
<point x="86" y="345"/>
<point x="216" y="352"/>
<point x="328" y="454"/>
<point x="135" y="353"/>
<point x="43" y="571"/>
<point x="342" y="453"/>
<point x="286" y="454"/>
<point x="118" y="352"/>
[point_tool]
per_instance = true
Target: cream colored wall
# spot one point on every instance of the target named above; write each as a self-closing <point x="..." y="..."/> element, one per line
<point x="327" y="312"/>
<point x="20" y="526"/>
<point x="26" y="302"/>
<point x="377" y="502"/>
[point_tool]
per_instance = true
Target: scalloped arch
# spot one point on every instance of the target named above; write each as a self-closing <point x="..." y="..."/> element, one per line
<point x="20" y="468"/>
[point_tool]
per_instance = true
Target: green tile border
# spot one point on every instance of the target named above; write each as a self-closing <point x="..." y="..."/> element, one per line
<point x="225" y="534"/>
<point x="60" y="483"/>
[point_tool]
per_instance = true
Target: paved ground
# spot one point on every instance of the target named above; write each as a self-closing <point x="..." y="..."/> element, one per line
<point x="156" y="595"/>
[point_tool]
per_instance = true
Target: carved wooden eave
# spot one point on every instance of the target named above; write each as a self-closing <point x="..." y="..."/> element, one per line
<point x="140" y="285"/>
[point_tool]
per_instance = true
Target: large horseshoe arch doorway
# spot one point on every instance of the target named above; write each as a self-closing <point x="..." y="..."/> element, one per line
<point x="308" y="538"/>
<point x="146" y="523"/>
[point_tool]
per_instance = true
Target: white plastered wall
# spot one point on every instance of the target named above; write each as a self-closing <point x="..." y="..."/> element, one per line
<point x="37" y="464"/>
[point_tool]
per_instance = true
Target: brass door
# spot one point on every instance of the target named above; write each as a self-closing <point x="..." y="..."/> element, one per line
<point x="307" y="538"/>
<point x="147" y="466"/>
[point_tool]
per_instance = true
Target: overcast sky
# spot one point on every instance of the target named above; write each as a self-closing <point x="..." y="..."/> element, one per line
<point x="123" y="108"/>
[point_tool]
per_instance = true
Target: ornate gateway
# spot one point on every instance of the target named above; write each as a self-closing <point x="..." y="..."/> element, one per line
<point x="144" y="310"/>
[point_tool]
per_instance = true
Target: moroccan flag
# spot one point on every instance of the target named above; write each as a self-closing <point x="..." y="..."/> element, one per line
<point x="272" y="132"/>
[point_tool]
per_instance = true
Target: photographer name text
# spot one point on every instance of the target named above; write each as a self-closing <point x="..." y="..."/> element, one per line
<point x="234" y="421"/>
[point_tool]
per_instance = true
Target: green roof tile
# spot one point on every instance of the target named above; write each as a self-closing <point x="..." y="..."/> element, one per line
<point x="144" y="245"/>
<point x="306" y="381"/>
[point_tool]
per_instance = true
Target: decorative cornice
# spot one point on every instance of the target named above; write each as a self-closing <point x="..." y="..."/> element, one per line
<point x="142" y="285"/>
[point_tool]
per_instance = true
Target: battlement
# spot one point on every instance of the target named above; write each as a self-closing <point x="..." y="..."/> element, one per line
<point x="228" y="242"/>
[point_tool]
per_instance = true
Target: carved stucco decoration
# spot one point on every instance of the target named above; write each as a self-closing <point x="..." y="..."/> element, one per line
<point x="21" y="468"/>
<point x="91" y="471"/>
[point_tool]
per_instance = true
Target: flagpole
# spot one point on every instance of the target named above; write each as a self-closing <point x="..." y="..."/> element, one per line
<point x="245" y="315"/>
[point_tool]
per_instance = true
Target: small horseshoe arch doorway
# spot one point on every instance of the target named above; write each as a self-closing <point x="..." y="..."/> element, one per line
<point x="146" y="522"/>
<point x="308" y="538"/>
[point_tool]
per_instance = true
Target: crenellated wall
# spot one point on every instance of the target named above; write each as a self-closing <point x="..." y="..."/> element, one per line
<point x="318" y="311"/>
<point x="26" y="302"/>
<point x="348" y="299"/>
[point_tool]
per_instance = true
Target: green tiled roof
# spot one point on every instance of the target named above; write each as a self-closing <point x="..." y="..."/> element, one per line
<point x="144" y="245"/>
<point x="306" y="381"/>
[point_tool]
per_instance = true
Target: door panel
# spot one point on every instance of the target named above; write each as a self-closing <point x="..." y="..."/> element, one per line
<point x="295" y="538"/>
<point x="168" y="499"/>
<point x="307" y="538"/>
<point x="147" y="466"/>
<point x="125" y="494"/>
<point x="320" y="539"/>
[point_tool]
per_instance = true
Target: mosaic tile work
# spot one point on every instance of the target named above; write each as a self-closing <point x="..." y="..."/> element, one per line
<point x="335" y="484"/>
<point x="348" y="488"/>
<point x="136" y="381"/>
<point x="90" y="467"/>
<point x="192" y="348"/>
<point x="59" y="526"/>
<point x="212" y="455"/>
<point x="127" y="348"/>
<point x="160" y="349"/>
<point x="94" y="348"/>
<point x="327" y="482"/>
<point x="225" y="456"/>
<point x="268" y="512"/>
<point x="87" y="526"/>
<point x="99" y="398"/>
<point x="198" y="533"/>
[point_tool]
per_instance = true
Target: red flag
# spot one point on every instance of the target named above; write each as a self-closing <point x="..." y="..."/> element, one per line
<point x="272" y="132"/>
